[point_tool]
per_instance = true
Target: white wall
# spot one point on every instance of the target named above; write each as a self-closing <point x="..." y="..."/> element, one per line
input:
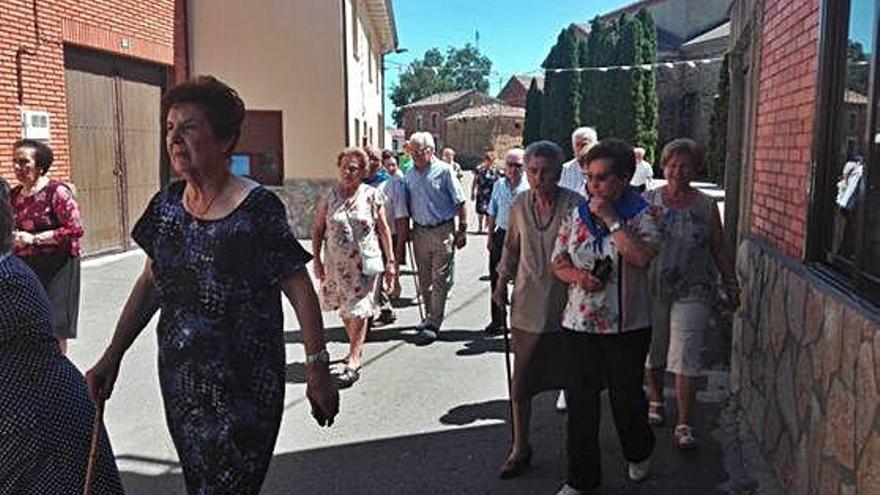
<point x="365" y="95"/>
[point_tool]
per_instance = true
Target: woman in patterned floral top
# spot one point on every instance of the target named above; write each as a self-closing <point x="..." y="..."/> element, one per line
<point x="219" y="255"/>
<point x="684" y="281"/>
<point x="47" y="233"/>
<point x="350" y="226"/>
<point x="603" y="251"/>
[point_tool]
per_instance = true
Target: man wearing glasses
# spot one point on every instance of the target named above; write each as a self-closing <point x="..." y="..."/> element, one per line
<point x="434" y="199"/>
<point x="499" y="212"/>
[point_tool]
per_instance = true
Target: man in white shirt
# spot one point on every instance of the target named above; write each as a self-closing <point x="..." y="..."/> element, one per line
<point x="449" y="157"/>
<point x="572" y="177"/>
<point x="644" y="173"/>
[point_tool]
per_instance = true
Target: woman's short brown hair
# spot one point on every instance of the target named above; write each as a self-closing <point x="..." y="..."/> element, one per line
<point x="6" y="219"/>
<point x="356" y="154"/>
<point x="43" y="156"/>
<point x="222" y="105"/>
<point x="685" y="146"/>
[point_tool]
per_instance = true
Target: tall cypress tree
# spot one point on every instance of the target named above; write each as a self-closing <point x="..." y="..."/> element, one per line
<point x="595" y="84"/>
<point x="648" y="133"/>
<point x="717" y="155"/>
<point x="627" y="92"/>
<point x="561" y="111"/>
<point x="532" y="125"/>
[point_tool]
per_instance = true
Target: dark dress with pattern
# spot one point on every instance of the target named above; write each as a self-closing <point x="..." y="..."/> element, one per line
<point x="46" y="413"/>
<point x="220" y="334"/>
<point x="486" y="179"/>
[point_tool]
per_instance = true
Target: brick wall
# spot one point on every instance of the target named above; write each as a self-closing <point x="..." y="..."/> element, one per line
<point x="35" y="33"/>
<point x="787" y="93"/>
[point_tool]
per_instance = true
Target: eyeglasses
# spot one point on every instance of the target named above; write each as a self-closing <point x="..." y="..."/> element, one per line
<point x="513" y="165"/>
<point x="21" y="164"/>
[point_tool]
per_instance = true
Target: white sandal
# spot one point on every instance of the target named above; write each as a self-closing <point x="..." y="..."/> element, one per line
<point x="655" y="413"/>
<point x="684" y="437"/>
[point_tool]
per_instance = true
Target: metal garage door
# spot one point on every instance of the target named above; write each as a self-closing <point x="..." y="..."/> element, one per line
<point x="115" y="134"/>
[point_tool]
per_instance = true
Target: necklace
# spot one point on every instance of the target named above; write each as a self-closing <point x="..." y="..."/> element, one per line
<point x="206" y="209"/>
<point x="537" y="218"/>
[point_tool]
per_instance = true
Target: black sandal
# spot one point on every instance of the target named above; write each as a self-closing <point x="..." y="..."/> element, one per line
<point x="348" y="376"/>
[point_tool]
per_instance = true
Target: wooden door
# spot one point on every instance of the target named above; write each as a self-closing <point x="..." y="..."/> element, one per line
<point x="113" y="107"/>
<point x="93" y="156"/>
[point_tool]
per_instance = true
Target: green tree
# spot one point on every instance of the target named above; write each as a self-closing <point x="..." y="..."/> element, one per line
<point x="648" y="133"/>
<point x="458" y="69"/>
<point x="532" y="124"/>
<point x="594" y="84"/>
<point x="717" y="155"/>
<point x="561" y="110"/>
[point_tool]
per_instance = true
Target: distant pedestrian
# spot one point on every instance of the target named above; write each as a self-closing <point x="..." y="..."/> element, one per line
<point x="603" y="252"/>
<point x="538" y="296"/>
<point x="396" y="212"/>
<point x="46" y="414"/>
<point x="582" y="139"/>
<point x="485" y="177"/>
<point x="405" y="159"/>
<point x="378" y="177"/>
<point x="434" y="199"/>
<point x="219" y="254"/>
<point x="349" y="239"/>
<point x="503" y="193"/>
<point x="48" y="229"/>
<point x="684" y="281"/>
<point x="644" y="174"/>
<point x="449" y="157"/>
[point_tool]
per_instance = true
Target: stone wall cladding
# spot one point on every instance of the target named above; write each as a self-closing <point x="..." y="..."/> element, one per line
<point x="783" y="149"/>
<point x="300" y="197"/>
<point x="806" y="368"/>
<point x="147" y="25"/>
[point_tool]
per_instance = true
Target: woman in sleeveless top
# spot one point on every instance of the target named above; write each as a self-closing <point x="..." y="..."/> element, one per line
<point x="684" y="281"/>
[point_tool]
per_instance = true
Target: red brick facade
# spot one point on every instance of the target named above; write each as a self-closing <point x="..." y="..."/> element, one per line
<point x="32" y="39"/>
<point x="783" y="149"/>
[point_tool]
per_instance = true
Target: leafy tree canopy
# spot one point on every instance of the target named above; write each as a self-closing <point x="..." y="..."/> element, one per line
<point x="457" y="69"/>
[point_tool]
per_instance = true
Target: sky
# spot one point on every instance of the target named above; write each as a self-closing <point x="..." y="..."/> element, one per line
<point x="516" y="35"/>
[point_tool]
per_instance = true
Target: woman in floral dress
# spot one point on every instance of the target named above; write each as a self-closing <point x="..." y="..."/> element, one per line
<point x="481" y="189"/>
<point x="350" y="234"/>
<point x="602" y="252"/>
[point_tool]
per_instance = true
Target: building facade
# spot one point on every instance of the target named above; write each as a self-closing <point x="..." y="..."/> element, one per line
<point x="310" y="73"/>
<point x="429" y="114"/>
<point x="86" y="76"/>
<point x="806" y="341"/>
<point x="517" y="88"/>
<point x="493" y="127"/>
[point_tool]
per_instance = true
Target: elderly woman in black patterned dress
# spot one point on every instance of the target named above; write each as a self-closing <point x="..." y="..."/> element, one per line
<point x="45" y="410"/>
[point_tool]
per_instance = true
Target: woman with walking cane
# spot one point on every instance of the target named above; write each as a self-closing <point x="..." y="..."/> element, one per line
<point x="46" y="414"/>
<point x="538" y="296"/>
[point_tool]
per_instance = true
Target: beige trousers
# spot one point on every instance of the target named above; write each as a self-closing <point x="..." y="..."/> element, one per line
<point x="434" y="250"/>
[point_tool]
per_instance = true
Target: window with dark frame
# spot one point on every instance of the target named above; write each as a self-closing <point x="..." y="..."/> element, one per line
<point x="844" y="233"/>
<point x="259" y="153"/>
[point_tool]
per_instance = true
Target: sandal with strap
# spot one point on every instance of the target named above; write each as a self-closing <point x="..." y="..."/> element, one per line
<point x="655" y="413"/>
<point x="348" y="376"/>
<point x="684" y="437"/>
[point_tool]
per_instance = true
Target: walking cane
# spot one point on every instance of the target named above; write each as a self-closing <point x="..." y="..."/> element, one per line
<point x="509" y="374"/>
<point x="416" y="278"/>
<point x="97" y="426"/>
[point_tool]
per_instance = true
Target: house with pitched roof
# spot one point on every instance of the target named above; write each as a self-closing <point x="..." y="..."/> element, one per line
<point x="429" y="114"/>
<point x="514" y="92"/>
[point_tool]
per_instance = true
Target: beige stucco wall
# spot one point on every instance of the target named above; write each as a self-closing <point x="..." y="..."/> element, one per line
<point x="364" y="93"/>
<point x="280" y="55"/>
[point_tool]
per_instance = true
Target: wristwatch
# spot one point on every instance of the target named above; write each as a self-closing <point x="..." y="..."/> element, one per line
<point x="321" y="356"/>
<point x="614" y="227"/>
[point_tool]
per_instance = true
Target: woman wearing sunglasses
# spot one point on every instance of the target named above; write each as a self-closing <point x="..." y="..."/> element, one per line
<point x="602" y="252"/>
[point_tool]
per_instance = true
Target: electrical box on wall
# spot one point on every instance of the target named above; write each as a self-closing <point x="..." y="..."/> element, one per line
<point x="35" y="125"/>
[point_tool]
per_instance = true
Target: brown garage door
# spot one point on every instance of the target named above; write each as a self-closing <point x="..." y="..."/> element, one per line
<point x="115" y="142"/>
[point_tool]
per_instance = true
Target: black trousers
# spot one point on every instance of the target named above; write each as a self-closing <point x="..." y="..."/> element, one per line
<point x="618" y="362"/>
<point x="499" y="313"/>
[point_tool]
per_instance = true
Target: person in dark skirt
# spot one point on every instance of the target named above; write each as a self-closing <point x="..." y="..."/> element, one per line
<point x="46" y="414"/>
<point x="485" y="177"/>
<point x="219" y="255"/>
<point x="47" y="233"/>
